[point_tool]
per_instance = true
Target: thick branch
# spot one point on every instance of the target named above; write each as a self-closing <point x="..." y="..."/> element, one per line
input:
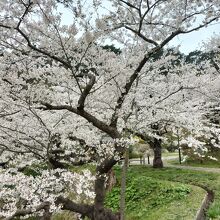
<point x="106" y="165"/>
<point x="91" y="211"/>
<point x="112" y="132"/>
<point x="129" y="84"/>
<point x="85" y="210"/>
<point x="85" y="92"/>
<point x="170" y="37"/>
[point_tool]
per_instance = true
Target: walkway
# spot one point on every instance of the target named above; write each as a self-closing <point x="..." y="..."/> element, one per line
<point x="166" y="164"/>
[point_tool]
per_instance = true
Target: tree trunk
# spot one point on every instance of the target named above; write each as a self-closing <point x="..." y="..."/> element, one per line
<point x="100" y="212"/>
<point x="157" y="162"/>
<point x="111" y="180"/>
<point x="96" y="211"/>
<point x="123" y="185"/>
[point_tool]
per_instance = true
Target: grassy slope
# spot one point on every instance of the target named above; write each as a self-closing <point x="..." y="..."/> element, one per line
<point x="177" y="208"/>
<point x="150" y="198"/>
<point x="181" y="210"/>
<point x="204" y="179"/>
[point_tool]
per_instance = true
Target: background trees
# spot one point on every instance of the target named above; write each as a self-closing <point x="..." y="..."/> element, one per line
<point x="58" y="82"/>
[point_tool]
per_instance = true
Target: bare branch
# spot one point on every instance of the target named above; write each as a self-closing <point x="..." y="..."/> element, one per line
<point x="200" y="26"/>
<point x="23" y="133"/>
<point x="142" y="36"/>
<point x="46" y="53"/>
<point x="63" y="47"/>
<point x="172" y="93"/>
<point x="6" y="148"/>
<point x="25" y="13"/>
<point x="66" y="64"/>
<point x="8" y="114"/>
<point x="129" y="4"/>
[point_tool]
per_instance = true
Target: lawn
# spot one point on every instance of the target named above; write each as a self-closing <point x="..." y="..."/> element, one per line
<point x="149" y="198"/>
<point x="199" y="178"/>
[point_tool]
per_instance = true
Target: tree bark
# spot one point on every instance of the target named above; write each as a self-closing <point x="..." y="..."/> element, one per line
<point x="96" y="211"/>
<point x="157" y="162"/>
<point x="100" y="212"/>
<point x="111" y="180"/>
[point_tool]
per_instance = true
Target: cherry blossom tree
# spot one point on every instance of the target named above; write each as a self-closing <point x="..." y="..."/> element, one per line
<point x="59" y="86"/>
<point x="179" y="96"/>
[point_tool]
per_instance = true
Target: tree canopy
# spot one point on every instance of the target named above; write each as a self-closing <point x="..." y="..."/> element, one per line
<point x="67" y="98"/>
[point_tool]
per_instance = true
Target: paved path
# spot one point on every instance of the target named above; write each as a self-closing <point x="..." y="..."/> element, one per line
<point x="213" y="170"/>
<point x="166" y="164"/>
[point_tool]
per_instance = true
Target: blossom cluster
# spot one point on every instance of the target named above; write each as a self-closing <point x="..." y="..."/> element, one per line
<point x="19" y="191"/>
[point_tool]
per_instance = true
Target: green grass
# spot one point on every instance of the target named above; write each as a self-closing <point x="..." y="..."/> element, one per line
<point x="148" y="198"/>
<point x="199" y="178"/>
<point x="182" y="209"/>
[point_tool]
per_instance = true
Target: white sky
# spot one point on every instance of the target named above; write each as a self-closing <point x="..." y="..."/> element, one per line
<point x="192" y="41"/>
<point x="188" y="42"/>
